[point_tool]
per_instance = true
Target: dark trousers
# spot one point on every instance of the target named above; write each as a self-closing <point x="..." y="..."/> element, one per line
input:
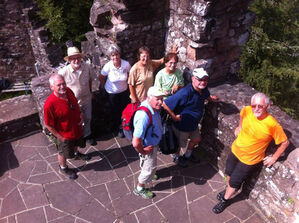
<point x="118" y="102"/>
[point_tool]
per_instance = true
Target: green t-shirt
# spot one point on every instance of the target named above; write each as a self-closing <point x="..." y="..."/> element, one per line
<point x="166" y="81"/>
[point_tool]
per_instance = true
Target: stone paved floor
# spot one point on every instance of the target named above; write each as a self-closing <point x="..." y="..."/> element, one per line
<point x="32" y="190"/>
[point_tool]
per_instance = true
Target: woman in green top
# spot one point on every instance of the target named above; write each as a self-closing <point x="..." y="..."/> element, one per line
<point x="169" y="79"/>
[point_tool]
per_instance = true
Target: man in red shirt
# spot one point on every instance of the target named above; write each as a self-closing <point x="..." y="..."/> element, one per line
<point x="63" y="119"/>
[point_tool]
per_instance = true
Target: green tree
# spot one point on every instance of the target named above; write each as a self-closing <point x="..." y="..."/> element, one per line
<point x="67" y="19"/>
<point x="269" y="60"/>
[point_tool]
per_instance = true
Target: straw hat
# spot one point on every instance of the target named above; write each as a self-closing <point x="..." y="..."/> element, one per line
<point x="73" y="51"/>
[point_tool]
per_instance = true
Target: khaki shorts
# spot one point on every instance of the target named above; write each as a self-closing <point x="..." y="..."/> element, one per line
<point x="66" y="149"/>
<point x="183" y="137"/>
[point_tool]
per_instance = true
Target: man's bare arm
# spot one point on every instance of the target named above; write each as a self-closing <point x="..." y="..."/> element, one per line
<point x="270" y="160"/>
<point x="137" y="144"/>
<point x="174" y="117"/>
<point x="55" y="133"/>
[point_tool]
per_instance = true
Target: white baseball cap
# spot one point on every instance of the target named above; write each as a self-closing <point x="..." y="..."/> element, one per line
<point x="155" y="91"/>
<point x="200" y="73"/>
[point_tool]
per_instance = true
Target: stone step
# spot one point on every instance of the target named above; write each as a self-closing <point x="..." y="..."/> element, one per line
<point x="18" y="86"/>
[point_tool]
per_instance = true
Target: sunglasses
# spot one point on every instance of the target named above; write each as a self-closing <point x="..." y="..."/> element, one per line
<point x="202" y="79"/>
<point x="258" y="106"/>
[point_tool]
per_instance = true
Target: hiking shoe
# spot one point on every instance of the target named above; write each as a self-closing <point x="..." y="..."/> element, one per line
<point x="91" y="141"/>
<point x="155" y="177"/>
<point x="145" y="193"/>
<point x="180" y="161"/>
<point x="69" y="172"/>
<point x="218" y="208"/>
<point x="80" y="156"/>
<point x="192" y="158"/>
<point x="220" y="195"/>
<point x="121" y="134"/>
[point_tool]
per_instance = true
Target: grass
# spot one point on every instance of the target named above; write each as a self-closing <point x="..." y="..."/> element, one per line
<point x="8" y="95"/>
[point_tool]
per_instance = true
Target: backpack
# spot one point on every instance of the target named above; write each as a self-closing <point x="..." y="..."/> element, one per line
<point x="187" y="75"/>
<point x="169" y="142"/>
<point x="128" y="118"/>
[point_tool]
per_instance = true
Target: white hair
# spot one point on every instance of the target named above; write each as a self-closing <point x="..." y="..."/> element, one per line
<point x="262" y="96"/>
<point x="53" y="77"/>
<point x="113" y="49"/>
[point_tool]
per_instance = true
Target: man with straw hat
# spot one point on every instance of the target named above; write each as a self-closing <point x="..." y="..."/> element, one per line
<point x="78" y="76"/>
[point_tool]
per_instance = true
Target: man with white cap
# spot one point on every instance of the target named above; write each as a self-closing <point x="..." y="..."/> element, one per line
<point x="78" y="76"/>
<point x="186" y="108"/>
<point x="146" y="138"/>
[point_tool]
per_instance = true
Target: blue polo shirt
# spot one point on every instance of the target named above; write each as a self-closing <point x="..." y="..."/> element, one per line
<point x="141" y="122"/>
<point x="190" y="105"/>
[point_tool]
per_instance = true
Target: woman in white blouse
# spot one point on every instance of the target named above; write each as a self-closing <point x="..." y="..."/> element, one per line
<point x="113" y="77"/>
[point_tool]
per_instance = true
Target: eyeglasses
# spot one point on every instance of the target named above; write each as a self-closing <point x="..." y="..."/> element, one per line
<point x="172" y="63"/>
<point x="258" y="106"/>
<point x="202" y="79"/>
<point x="75" y="58"/>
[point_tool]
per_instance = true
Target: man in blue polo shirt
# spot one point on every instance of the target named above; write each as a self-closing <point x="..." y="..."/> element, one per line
<point x="186" y="108"/>
<point x="146" y="139"/>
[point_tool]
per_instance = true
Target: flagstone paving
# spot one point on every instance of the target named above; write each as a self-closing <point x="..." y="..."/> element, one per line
<point x="32" y="189"/>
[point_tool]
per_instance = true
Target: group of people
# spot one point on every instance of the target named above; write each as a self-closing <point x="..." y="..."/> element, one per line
<point x="67" y="113"/>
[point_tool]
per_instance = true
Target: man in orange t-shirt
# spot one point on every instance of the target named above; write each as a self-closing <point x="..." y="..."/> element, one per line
<point x="256" y="130"/>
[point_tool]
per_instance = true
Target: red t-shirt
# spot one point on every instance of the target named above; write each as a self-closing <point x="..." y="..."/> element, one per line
<point x="63" y="115"/>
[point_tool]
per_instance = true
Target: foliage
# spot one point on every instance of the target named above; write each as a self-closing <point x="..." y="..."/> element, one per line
<point x="8" y="95"/>
<point x="269" y="60"/>
<point x="67" y="19"/>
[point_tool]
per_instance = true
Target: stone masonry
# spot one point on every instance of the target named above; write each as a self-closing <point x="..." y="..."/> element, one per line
<point x="274" y="190"/>
<point x="209" y="34"/>
<point x="16" y="55"/>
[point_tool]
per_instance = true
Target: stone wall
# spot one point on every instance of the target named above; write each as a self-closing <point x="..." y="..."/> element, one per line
<point x="130" y="24"/>
<point x="209" y="34"/>
<point x="24" y="42"/>
<point x="16" y="55"/>
<point x="274" y="190"/>
<point x="18" y="118"/>
<point x="47" y="55"/>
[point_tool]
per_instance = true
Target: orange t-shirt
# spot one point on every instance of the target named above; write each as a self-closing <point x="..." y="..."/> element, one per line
<point x="255" y="136"/>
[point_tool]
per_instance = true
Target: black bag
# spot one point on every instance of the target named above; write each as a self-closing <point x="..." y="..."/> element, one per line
<point x="169" y="143"/>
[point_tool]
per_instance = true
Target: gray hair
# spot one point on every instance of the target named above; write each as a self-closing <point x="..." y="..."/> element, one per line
<point x="113" y="49"/>
<point x="261" y="95"/>
<point x="53" y="77"/>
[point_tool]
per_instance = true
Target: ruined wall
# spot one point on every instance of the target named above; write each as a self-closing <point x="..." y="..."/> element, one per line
<point x="130" y="24"/>
<point x="16" y="55"/>
<point x="274" y="190"/>
<point x="24" y="42"/>
<point x="209" y="34"/>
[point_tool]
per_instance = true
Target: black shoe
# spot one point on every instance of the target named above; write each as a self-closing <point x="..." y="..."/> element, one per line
<point x="180" y="161"/>
<point x="91" y="141"/>
<point x="121" y="134"/>
<point x="80" y="156"/>
<point x="69" y="172"/>
<point x="192" y="158"/>
<point x="218" y="208"/>
<point x="220" y="195"/>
